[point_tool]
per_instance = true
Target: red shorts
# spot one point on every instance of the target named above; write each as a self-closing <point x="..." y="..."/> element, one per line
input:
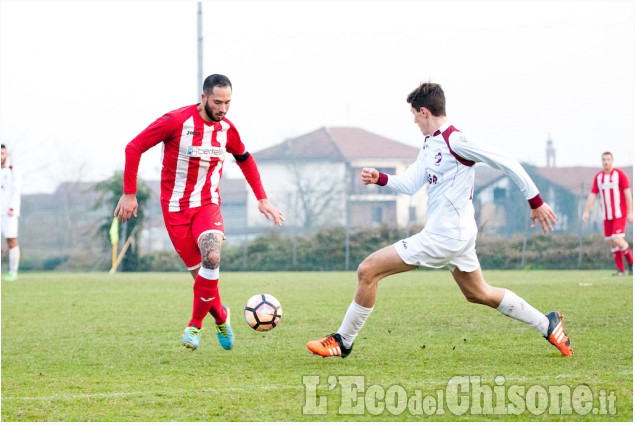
<point x="615" y="228"/>
<point x="186" y="227"/>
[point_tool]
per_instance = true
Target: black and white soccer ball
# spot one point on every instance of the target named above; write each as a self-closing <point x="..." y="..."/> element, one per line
<point x="263" y="312"/>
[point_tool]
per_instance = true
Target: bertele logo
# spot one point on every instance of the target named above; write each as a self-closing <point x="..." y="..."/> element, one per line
<point x="207" y="152"/>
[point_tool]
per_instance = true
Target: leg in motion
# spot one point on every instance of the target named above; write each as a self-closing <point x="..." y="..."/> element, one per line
<point x="477" y="290"/>
<point x="375" y="267"/>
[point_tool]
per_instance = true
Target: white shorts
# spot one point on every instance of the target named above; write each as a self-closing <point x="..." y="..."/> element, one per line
<point x="9" y="226"/>
<point x="436" y="251"/>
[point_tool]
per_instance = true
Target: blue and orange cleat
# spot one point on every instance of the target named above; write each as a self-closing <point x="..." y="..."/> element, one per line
<point x="556" y="335"/>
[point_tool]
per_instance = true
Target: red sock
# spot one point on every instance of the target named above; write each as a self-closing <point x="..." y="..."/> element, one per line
<point x="206" y="299"/>
<point x="628" y="255"/>
<point x="619" y="261"/>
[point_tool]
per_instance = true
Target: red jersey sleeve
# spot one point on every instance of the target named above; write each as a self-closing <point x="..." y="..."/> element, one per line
<point x="594" y="189"/>
<point x="624" y="183"/>
<point x="156" y="132"/>
<point x="235" y="145"/>
<point x="248" y="166"/>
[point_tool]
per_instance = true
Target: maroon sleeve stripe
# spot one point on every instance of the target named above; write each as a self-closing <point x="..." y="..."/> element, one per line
<point x="535" y="202"/>
<point x="383" y="179"/>
<point x="446" y="137"/>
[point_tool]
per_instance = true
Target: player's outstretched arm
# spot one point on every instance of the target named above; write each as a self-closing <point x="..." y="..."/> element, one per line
<point x="270" y="211"/>
<point x="545" y="215"/>
<point x="126" y="207"/>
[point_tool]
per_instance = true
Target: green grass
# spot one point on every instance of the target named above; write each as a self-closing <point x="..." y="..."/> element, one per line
<point x="98" y="347"/>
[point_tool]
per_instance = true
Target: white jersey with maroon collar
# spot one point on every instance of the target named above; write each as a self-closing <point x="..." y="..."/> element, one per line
<point x="11" y="187"/>
<point x="446" y="162"/>
<point x="193" y="156"/>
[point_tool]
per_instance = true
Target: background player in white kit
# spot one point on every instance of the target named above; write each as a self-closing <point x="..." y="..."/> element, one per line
<point x="10" y="210"/>
<point x="446" y="163"/>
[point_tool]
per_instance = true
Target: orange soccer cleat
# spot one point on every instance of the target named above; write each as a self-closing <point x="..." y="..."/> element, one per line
<point x="556" y="335"/>
<point x="330" y="346"/>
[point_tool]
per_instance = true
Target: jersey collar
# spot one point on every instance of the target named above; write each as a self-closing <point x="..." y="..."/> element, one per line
<point x="441" y="129"/>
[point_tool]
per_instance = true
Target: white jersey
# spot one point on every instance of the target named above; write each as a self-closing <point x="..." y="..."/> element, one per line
<point x="10" y="196"/>
<point x="446" y="163"/>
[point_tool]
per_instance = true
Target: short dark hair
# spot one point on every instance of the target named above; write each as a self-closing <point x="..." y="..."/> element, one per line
<point x="215" y="80"/>
<point x="429" y="96"/>
<point x="607" y="153"/>
<point x="3" y="146"/>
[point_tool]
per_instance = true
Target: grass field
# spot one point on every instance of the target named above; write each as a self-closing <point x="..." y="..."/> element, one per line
<point x="98" y="347"/>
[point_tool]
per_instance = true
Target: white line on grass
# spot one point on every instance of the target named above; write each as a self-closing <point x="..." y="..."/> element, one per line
<point x="157" y="392"/>
<point x="508" y="379"/>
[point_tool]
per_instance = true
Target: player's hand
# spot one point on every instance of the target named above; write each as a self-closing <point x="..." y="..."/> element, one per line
<point x="270" y="211"/>
<point x="126" y="207"/>
<point x="585" y="217"/>
<point x="370" y="176"/>
<point x="545" y="215"/>
<point x="10" y="213"/>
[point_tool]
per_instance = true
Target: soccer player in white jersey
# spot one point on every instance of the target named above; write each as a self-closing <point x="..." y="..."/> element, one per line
<point x="617" y="207"/>
<point x="446" y="163"/>
<point x="10" y="210"/>
<point x="195" y="140"/>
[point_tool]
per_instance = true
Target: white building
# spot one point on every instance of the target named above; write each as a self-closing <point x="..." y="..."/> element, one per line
<point x="315" y="179"/>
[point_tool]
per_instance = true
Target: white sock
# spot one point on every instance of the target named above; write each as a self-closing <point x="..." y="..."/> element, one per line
<point x="514" y="306"/>
<point x="14" y="259"/>
<point x="354" y="319"/>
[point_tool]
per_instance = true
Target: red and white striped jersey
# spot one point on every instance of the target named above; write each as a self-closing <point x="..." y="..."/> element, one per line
<point x="611" y="188"/>
<point x="193" y="156"/>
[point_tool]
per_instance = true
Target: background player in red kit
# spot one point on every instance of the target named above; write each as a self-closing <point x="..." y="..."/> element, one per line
<point x="617" y="207"/>
<point x="195" y="139"/>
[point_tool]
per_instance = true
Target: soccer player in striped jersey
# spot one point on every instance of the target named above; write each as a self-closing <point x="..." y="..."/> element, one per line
<point x="195" y="141"/>
<point x="445" y="163"/>
<point x="616" y="201"/>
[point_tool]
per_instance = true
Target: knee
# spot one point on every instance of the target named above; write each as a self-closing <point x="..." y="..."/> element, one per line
<point x="211" y="260"/>
<point x="365" y="272"/>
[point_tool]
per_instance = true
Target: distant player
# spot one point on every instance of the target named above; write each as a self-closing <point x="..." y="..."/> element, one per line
<point x="617" y="207"/>
<point x="196" y="140"/>
<point x="446" y="163"/>
<point x="10" y="210"/>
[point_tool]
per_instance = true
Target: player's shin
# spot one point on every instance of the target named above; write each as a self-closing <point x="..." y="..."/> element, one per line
<point x="627" y="254"/>
<point x="354" y="320"/>
<point x="206" y="297"/>
<point x="14" y="259"/>
<point x="515" y="307"/>
<point x="618" y="258"/>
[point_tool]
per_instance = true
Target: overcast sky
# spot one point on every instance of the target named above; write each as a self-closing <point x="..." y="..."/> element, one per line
<point x="79" y="80"/>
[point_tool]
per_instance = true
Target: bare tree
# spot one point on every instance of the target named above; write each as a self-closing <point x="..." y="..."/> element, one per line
<point x="316" y="195"/>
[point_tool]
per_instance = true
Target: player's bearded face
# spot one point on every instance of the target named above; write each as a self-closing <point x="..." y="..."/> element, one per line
<point x="217" y="104"/>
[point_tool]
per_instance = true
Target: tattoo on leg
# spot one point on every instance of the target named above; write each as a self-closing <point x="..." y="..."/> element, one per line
<point x="209" y="245"/>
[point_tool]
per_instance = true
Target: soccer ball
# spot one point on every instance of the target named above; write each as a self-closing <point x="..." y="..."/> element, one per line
<point x="263" y="312"/>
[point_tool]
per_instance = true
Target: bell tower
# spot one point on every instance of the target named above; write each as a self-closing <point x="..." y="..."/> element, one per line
<point x="551" y="153"/>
